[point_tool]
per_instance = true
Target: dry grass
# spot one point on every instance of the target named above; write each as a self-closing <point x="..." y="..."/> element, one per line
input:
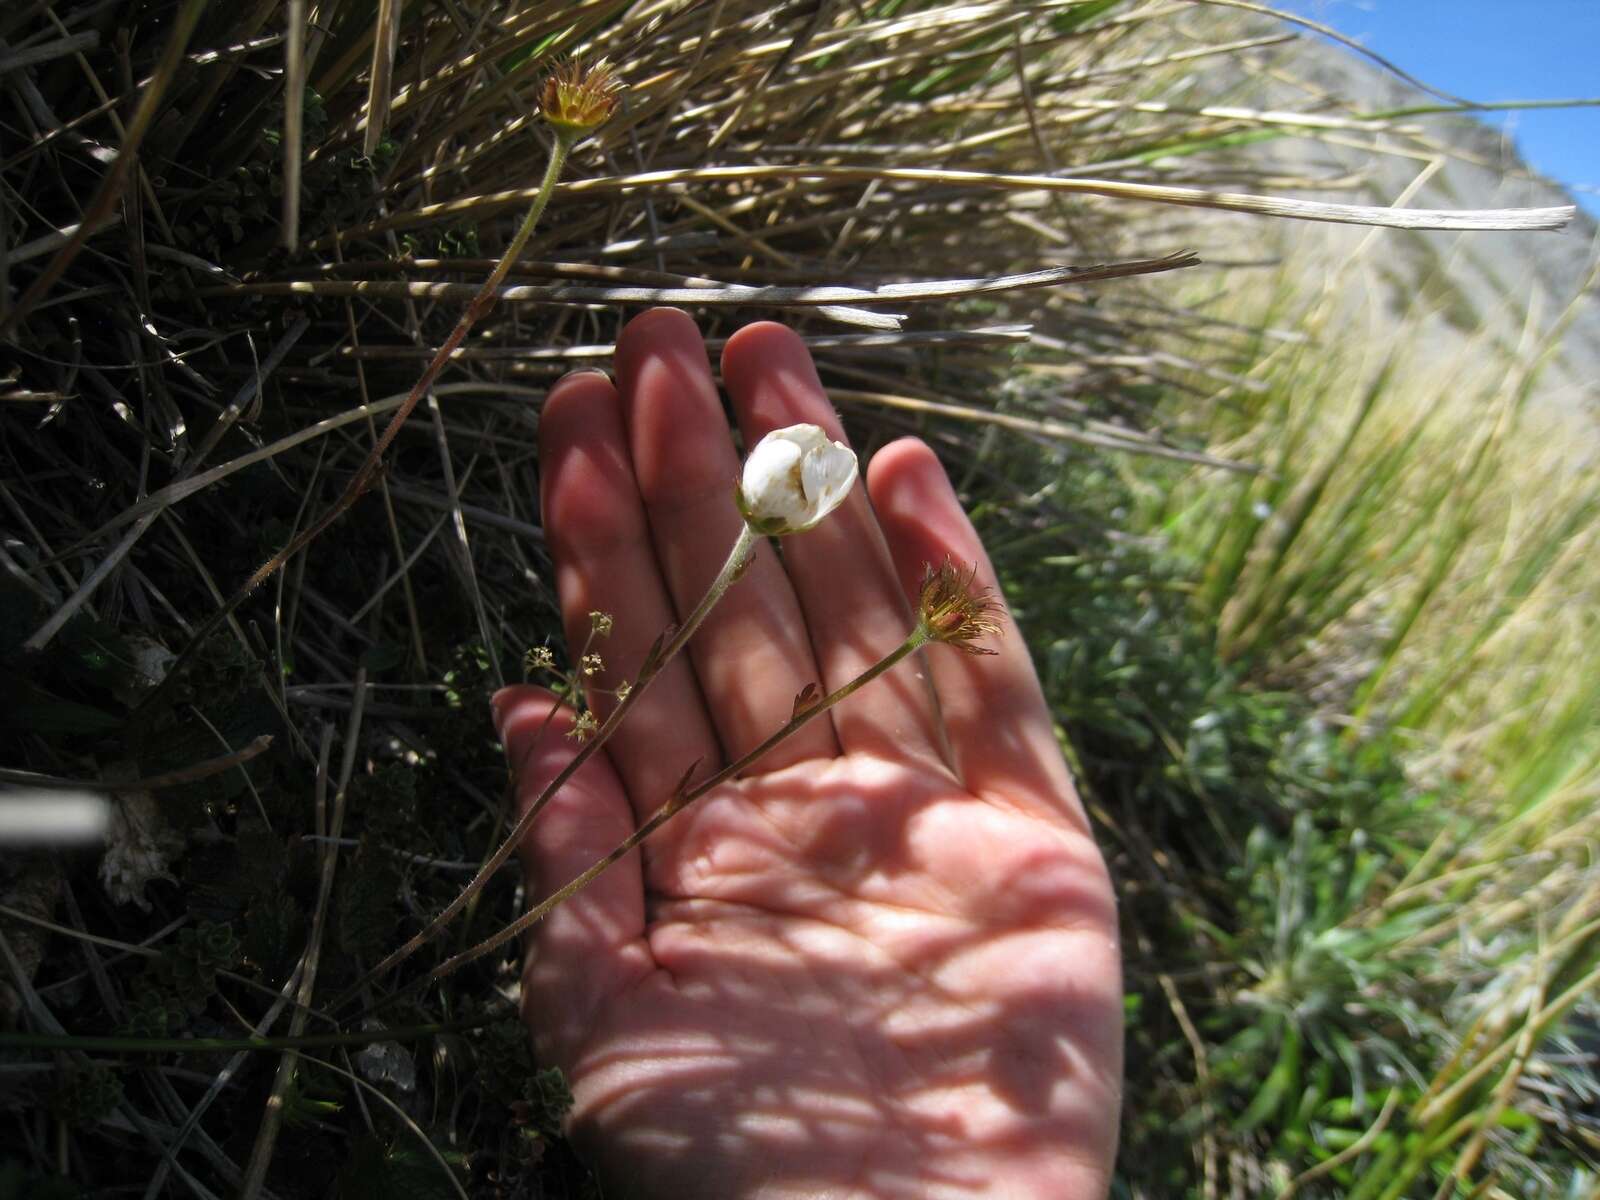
<point x="230" y="235"/>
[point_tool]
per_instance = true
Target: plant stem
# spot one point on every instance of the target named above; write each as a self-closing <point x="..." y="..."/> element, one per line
<point x="919" y="637"/>
<point x="481" y="304"/>
<point x="655" y="661"/>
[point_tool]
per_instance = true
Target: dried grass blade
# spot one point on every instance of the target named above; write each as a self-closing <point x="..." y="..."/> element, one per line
<point x="272" y="1118"/>
<point x="41" y="637"/>
<point x="174" y="492"/>
<point x="77" y="43"/>
<point x="825" y="298"/>
<point x="379" y="89"/>
<point x="1049" y="429"/>
<point x="558" y="294"/>
<point x="111" y="183"/>
<point x="294" y="93"/>
<point x="993" y="335"/>
<point x="1329" y="32"/>
<point x="1510" y="219"/>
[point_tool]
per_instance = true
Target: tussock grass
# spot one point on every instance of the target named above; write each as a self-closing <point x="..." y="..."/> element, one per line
<point x="230" y="235"/>
<point x="1420" y="562"/>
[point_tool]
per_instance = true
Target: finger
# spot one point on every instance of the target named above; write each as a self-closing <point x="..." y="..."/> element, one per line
<point x="752" y="655"/>
<point x="590" y="948"/>
<point x="600" y="541"/>
<point x="841" y="570"/>
<point x="994" y="711"/>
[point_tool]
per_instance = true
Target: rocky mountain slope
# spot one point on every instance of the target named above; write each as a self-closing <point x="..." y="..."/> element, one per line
<point x="1514" y="287"/>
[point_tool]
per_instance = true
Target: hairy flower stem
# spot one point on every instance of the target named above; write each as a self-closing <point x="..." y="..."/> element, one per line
<point x="480" y="305"/>
<point x="919" y="637"/>
<point x="655" y="661"/>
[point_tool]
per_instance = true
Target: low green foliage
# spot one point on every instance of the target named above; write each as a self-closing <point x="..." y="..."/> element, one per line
<point x="1370" y="917"/>
<point x="537" y="1098"/>
<point x="1248" y="842"/>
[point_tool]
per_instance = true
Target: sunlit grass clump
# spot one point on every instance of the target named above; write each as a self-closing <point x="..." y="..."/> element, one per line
<point x="1419" y="562"/>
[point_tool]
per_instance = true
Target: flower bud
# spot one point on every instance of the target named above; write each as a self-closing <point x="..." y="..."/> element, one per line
<point x="793" y="478"/>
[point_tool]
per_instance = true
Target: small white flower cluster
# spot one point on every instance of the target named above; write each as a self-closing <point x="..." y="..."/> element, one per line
<point x="793" y="478"/>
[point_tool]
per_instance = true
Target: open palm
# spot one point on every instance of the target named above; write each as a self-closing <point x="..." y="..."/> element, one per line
<point x="884" y="961"/>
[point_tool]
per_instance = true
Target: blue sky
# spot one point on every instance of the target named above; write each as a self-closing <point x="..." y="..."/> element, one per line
<point x="1489" y="50"/>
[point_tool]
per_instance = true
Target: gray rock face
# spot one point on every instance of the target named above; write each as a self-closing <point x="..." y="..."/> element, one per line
<point x="1476" y="291"/>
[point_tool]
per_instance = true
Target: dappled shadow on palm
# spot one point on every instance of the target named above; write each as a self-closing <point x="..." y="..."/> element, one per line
<point x="875" y="989"/>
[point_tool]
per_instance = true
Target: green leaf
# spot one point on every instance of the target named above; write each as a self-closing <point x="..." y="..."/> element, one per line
<point x="1081" y="14"/>
<point x="1279" y="1085"/>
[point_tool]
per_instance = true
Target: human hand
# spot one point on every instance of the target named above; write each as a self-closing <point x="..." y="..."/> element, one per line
<point x="884" y="961"/>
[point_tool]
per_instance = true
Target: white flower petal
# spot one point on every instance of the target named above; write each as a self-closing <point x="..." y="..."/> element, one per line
<point x="768" y="482"/>
<point x="794" y="477"/>
<point x="827" y="476"/>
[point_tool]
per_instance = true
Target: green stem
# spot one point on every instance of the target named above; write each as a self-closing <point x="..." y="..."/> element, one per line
<point x="519" y="240"/>
<point x="655" y="661"/>
<point x="481" y="304"/>
<point x="918" y="638"/>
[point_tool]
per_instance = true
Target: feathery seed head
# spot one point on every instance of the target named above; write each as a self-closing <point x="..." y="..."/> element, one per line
<point x="952" y="611"/>
<point x="578" y="101"/>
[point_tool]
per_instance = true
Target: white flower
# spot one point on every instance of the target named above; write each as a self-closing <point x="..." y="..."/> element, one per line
<point x="793" y="478"/>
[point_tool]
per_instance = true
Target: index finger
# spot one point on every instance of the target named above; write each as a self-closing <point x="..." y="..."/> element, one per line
<point x="600" y="543"/>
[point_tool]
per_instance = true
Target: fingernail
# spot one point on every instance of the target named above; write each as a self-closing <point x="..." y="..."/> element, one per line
<point x="579" y="372"/>
<point x="651" y="314"/>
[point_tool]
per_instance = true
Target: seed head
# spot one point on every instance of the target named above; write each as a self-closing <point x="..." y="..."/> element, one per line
<point x="600" y="624"/>
<point x="952" y="611"/>
<point x="584" y="728"/>
<point x="539" y="659"/>
<point x="578" y="101"/>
